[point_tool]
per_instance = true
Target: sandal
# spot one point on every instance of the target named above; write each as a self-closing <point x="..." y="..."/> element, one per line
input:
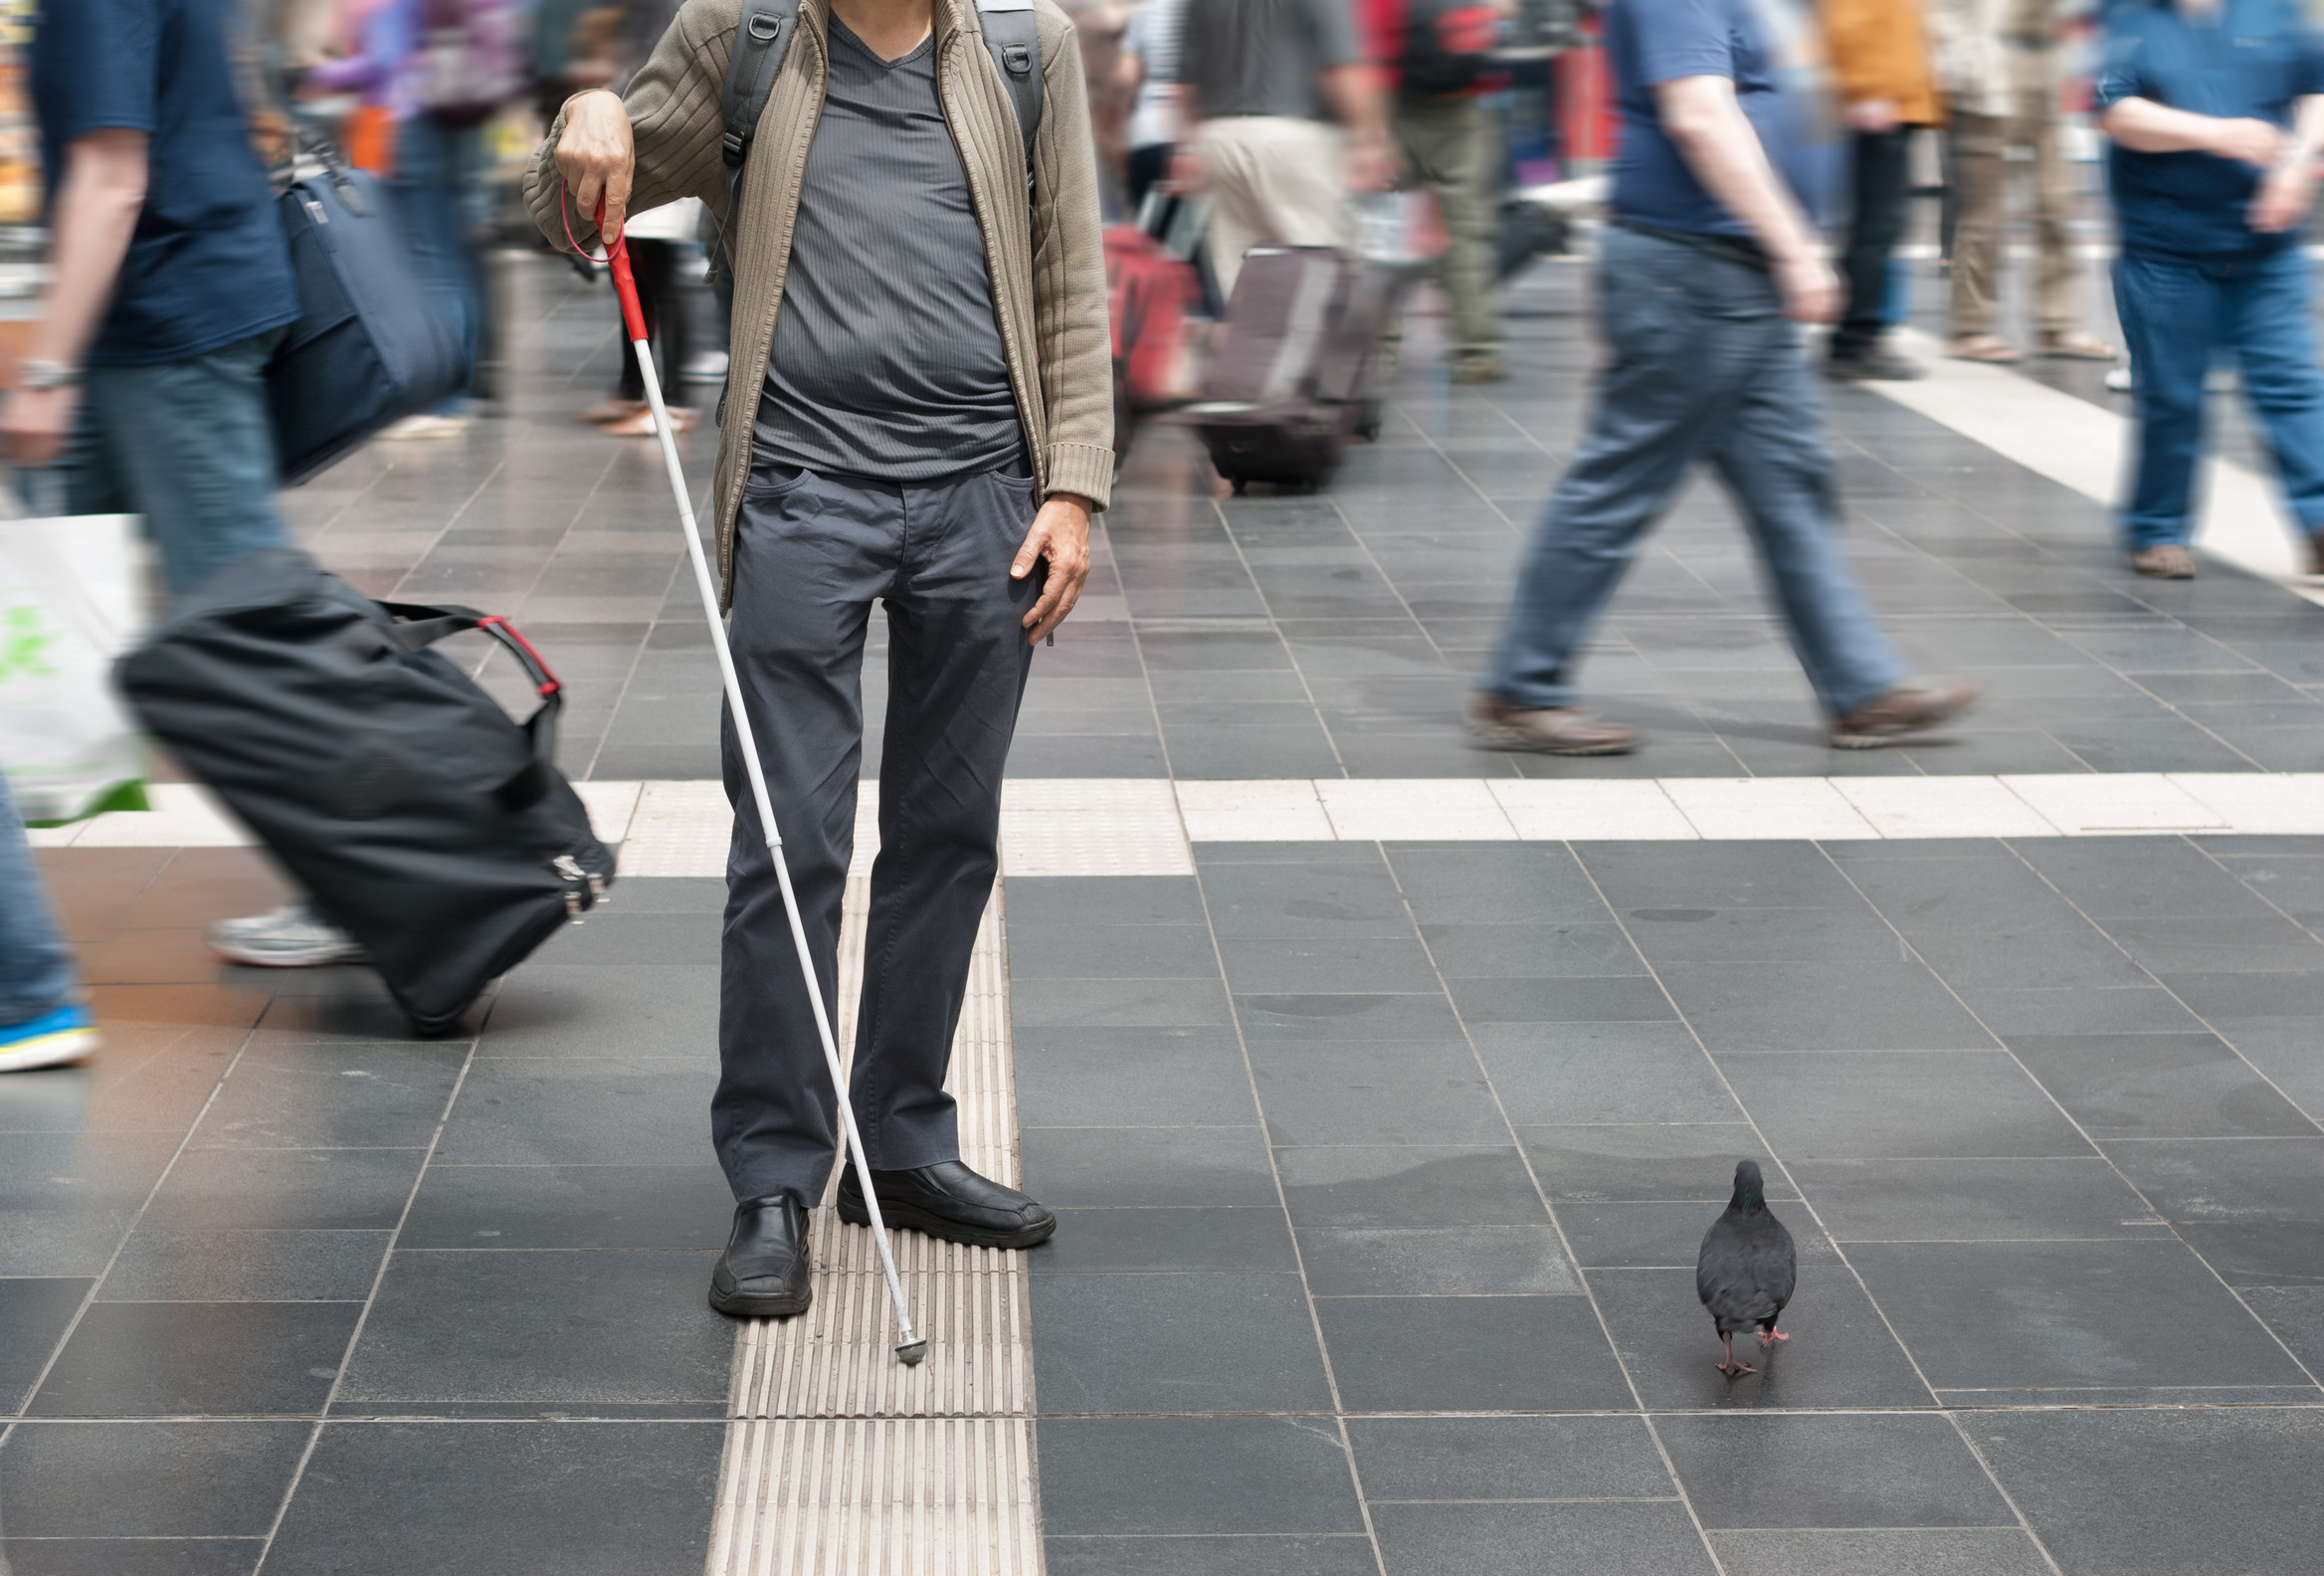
<point x="681" y="420"/>
<point x="2074" y="345"/>
<point x="1991" y="349"/>
<point x="608" y="409"/>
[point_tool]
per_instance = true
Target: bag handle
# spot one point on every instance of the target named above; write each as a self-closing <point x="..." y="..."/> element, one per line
<point x="424" y="624"/>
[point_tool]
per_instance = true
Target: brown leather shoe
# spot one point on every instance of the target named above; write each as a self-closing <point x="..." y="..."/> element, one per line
<point x="1547" y="730"/>
<point x="2164" y="561"/>
<point x="1912" y="706"/>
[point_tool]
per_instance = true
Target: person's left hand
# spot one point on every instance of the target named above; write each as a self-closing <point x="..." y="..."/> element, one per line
<point x="2282" y="198"/>
<point x="1060" y="535"/>
<point x="34" y="423"/>
<point x="1872" y="114"/>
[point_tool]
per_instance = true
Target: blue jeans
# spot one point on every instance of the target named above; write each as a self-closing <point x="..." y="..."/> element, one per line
<point x="1705" y="366"/>
<point x="434" y="171"/>
<point x="189" y="446"/>
<point x="36" y="972"/>
<point x="2176" y="312"/>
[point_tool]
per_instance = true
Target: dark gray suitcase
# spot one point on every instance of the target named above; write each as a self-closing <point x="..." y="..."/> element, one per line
<point x="1292" y="382"/>
<point x="420" y="819"/>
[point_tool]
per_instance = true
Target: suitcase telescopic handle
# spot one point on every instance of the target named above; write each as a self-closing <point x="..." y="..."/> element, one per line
<point x="423" y="625"/>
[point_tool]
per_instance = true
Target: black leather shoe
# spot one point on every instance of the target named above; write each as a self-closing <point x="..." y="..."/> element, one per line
<point x="763" y="1272"/>
<point x="950" y="1201"/>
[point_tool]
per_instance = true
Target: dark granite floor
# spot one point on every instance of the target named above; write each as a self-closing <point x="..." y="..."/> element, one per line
<point x="1381" y="1165"/>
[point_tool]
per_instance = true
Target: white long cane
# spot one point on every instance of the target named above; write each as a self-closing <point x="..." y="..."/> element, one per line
<point x="912" y="1347"/>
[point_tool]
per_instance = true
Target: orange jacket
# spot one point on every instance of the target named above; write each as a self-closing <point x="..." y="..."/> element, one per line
<point x="1878" y="48"/>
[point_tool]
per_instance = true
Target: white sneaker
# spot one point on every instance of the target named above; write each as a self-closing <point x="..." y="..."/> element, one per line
<point x="293" y="936"/>
<point x="705" y="366"/>
<point x="425" y="425"/>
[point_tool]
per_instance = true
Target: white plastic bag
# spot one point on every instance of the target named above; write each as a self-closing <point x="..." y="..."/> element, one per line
<point x="67" y="607"/>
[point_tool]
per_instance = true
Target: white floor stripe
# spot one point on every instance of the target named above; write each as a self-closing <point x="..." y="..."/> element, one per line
<point x="1143" y="825"/>
<point x="2081" y="446"/>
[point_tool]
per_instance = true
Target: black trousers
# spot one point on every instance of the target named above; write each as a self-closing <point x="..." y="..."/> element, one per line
<point x="662" y="299"/>
<point x="812" y="554"/>
<point x="1879" y="179"/>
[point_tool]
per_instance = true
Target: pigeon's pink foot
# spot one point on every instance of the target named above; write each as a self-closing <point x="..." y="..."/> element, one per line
<point x="1736" y="1369"/>
<point x="1767" y="1336"/>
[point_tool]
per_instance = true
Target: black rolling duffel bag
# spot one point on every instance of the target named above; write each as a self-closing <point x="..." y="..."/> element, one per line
<point x="421" y="819"/>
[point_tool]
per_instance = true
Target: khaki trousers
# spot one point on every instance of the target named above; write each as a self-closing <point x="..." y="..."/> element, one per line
<point x="1269" y="179"/>
<point x="1981" y="144"/>
<point x="1451" y="147"/>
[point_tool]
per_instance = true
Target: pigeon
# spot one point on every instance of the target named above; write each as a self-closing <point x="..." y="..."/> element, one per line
<point x="1746" y="1270"/>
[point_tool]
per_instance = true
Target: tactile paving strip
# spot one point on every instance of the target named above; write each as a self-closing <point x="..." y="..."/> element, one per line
<point x="840" y="1459"/>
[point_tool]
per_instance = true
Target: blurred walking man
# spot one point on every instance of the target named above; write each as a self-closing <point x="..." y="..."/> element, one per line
<point x="915" y="413"/>
<point x="2217" y="110"/>
<point x="1880" y="69"/>
<point x="1287" y="121"/>
<point x="1709" y="262"/>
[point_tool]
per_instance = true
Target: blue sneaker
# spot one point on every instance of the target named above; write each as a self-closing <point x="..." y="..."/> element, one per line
<point x="66" y="1035"/>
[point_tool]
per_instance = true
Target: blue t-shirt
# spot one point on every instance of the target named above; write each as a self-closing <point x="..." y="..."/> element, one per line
<point x="1658" y="41"/>
<point x="207" y="264"/>
<point x="2252" y="59"/>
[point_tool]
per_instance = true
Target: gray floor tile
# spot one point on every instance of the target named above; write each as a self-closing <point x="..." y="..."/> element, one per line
<point x="2170" y="879"/>
<point x="1633" y="1235"/>
<point x="1074" y="1077"/>
<point x="1253" y="902"/>
<point x="1540" y="951"/>
<point x="1375" y="1091"/>
<point x="580" y="1111"/>
<point x="1717" y="875"/>
<point x="2240" y="1496"/>
<point x="131" y="1556"/>
<point x="1841" y="1354"/>
<point x="1278" y="1555"/>
<point x="562" y="1330"/>
<point x="1532" y="1539"/>
<point x="1324" y="964"/>
<point x="1072" y="951"/>
<point x="285" y="1190"/>
<point x="671" y="1208"/>
<point x="1602" y="1072"/>
<point x="1155" y="1344"/>
<point x="246" y="1267"/>
<point x="72" y="1196"/>
<point x="1471" y="1354"/>
<point x="1633" y="998"/>
<point x="124" y="1478"/>
<point x="1844" y="1471"/>
<point x="1250" y="1238"/>
<point x="1407" y="1186"/>
<point x="1920" y="1551"/>
<point x="1194" y="1476"/>
<point x="2062" y="1198"/>
<point x="2159" y="1086"/>
<point x="1507" y="1457"/>
<point x="1670" y="1161"/>
<point x="1133" y="1167"/>
<point x="2295" y="1314"/>
<point x="592" y="1498"/>
<point x="189" y="1359"/>
<point x="1088" y="900"/>
<point x="2030" y="1322"/>
<point x="1764" y="935"/>
<point x="1349" y="1016"/>
<point x="333" y="1097"/>
<point x="1884" y="1104"/>
<point x="1754" y="1007"/>
<point x="605" y="1008"/>
<point x="33" y="1315"/>
<point x="2254" y="1208"/>
<point x="1057" y="1003"/>
<point x="2220" y="946"/>
<point x="1437" y="1262"/>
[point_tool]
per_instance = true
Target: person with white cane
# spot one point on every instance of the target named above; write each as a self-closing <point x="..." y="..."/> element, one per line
<point x="915" y="413"/>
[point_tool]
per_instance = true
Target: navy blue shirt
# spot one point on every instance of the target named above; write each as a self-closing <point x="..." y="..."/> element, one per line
<point x="1759" y="46"/>
<point x="207" y="264"/>
<point x="2251" y="58"/>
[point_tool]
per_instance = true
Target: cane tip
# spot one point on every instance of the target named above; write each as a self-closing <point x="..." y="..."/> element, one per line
<point x="910" y="1352"/>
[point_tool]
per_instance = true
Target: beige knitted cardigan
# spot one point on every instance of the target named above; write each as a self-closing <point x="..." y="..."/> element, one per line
<point x="1043" y="256"/>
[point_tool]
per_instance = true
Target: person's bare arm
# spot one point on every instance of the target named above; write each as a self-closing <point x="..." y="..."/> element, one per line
<point x="1702" y="119"/>
<point x="1352" y="93"/>
<point x="2145" y="127"/>
<point x="2281" y="202"/>
<point x="89" y="226"/>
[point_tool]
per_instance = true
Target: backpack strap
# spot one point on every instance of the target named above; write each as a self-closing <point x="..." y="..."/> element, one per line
<point x="1013" y="38"/>
<point x="762" y="40"/>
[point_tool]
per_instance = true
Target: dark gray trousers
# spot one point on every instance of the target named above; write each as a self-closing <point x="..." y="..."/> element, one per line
<point x="811" y="554"/>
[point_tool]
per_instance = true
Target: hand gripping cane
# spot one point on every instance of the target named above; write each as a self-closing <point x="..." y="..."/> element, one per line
<point x="912" y="1347"/>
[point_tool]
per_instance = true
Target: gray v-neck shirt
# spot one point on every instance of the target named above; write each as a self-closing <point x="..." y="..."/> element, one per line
<point x="888" y="359"/>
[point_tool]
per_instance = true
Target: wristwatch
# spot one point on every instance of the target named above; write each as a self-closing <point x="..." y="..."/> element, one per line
<point x="34" y="375"/>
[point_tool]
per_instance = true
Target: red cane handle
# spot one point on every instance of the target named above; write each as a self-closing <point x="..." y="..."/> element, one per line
<point x="624" y="284"/>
